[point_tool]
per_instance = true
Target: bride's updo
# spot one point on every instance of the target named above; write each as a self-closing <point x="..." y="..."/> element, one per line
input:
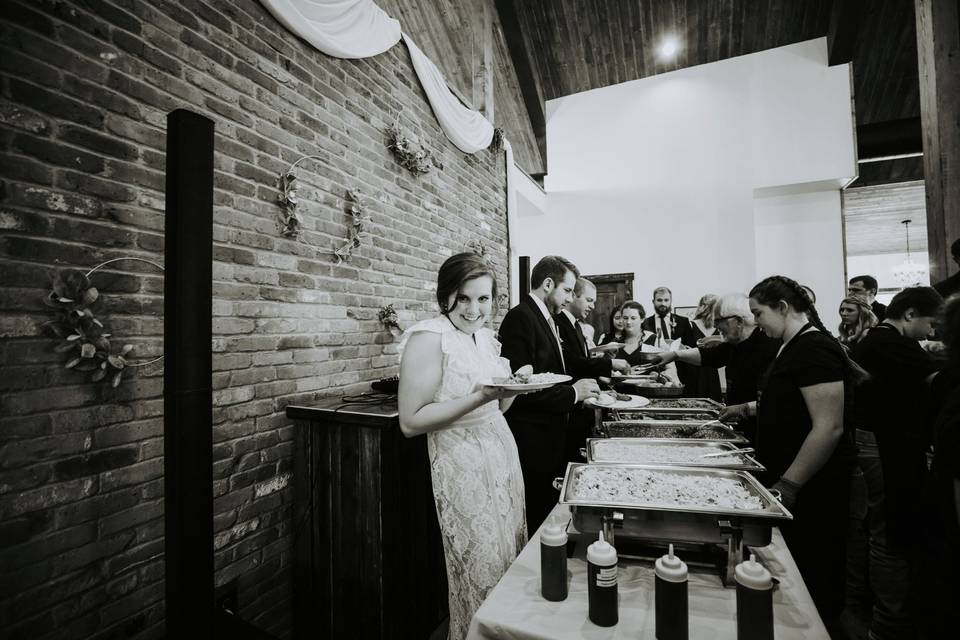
<point x="458" y="269"/>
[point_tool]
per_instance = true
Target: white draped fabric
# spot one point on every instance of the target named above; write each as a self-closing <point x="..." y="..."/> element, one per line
<point x="339" y="28"/>
<point x="467" y="129"/>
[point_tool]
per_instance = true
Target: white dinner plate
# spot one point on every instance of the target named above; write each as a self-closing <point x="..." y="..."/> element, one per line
<point x="543" y="382"/>
<point x="635" y="402"/>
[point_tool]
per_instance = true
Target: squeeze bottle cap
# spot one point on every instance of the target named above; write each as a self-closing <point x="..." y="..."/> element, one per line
<point x="553" y="534"/>
<point x="601" y="552"/>
<point x="754" y="575"/>
<point x="671" y="568"/>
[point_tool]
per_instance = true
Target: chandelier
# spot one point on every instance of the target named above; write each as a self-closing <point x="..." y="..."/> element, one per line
<point x="909" y="273"/>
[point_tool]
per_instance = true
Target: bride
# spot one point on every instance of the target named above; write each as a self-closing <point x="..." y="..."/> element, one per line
<point x="477" y="484"/>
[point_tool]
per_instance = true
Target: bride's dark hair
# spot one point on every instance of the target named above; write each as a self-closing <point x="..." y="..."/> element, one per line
<point x="458" y="269"/>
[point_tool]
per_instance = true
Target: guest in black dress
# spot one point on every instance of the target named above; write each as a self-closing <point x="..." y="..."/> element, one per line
<point x="803" y="437"/>
<point x="856" y="318"/>
<point x="615" y="332"/>
<point x="636" y="340"/>
<point x="746" y="352"/>
<point x="706" y="383"/>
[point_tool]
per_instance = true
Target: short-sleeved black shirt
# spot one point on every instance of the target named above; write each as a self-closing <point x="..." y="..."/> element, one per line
<point x="896" y="394"/>
<point x="745" y="362"/>
<point x="784" y="422"/>
<point x="946" y="469"/>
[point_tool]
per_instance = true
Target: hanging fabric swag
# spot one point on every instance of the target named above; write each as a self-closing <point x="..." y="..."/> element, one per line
<point x="466" y="128"/>
<point x="339" y="28"/>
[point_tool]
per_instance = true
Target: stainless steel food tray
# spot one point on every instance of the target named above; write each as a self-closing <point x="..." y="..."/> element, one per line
<point x="666" y="429"/>
<point x="686" y="404"/>
<point x="707" y="446"/>
<point x="644" y="413"/>
<point x="676" y="523"/>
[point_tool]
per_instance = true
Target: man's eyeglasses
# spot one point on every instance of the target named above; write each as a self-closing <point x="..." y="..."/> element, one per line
<point x="724" y="319"/>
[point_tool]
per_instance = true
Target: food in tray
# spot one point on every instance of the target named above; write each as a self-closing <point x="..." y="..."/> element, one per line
<point x="683" y="403"/>
<point x="525" y="375"/>
<point x="662" y="488"/>
<point x="687" y="431"/>
<point x="697" y="415"/>
<point x="658" y="454"/>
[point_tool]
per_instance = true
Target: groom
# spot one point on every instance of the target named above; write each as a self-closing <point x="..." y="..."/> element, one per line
<point x="539" y="420"/>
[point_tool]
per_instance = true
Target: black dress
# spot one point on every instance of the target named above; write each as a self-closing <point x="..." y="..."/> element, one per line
<point x="706" y="381"/>
<point x="817" y="534"/>
<point x="745" y="362"/>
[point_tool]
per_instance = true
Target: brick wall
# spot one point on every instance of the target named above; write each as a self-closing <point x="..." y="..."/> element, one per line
<point x="85" y="87"/>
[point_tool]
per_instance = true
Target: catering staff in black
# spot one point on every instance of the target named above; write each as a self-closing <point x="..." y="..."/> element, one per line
<point x="746" y="352"/>
<point x="576" y="354"/>
<point x="940" y="616"/>
<point x="803" y="439"/>
<point x="539" y="420"/>
<point x="891" y="412"/>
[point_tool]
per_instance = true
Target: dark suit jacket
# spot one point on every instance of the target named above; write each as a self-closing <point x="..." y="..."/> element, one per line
<point x="879" y="310"/>
<point x="681" y="330"/>
<point x="527" y="339"/>
<point x="579" y="362"/>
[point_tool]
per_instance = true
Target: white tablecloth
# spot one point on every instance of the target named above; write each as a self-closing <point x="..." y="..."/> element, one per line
<point x="515" y="608"/>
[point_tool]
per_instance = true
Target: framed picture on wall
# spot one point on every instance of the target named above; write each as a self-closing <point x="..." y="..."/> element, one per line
<point x="686" y="312"/>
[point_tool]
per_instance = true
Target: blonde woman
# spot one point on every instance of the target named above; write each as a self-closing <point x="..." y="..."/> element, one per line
<point x="856" y="318"/>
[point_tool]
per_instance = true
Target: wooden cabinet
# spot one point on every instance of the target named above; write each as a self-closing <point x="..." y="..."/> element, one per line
<point x="368" y="553"/>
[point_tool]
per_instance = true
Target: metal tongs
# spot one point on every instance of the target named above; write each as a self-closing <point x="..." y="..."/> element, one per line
<point x="728" y="452"/>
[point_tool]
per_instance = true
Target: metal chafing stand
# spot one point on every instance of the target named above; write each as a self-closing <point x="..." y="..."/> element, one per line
<point x="732" y="528"/>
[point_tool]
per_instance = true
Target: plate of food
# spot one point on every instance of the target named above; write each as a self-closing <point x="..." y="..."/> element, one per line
<point x="524" y="379"/>
<point x="610" y="347"/>
<point x="614" y="400"/>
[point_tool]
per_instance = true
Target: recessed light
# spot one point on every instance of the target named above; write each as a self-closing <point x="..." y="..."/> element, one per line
<point x="668" y="48"/>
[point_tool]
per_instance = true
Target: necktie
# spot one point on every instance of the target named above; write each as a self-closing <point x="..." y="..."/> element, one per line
<point x="556" y="334"/>
<point x="583" y="340"/>
<point x="663" y="328"/>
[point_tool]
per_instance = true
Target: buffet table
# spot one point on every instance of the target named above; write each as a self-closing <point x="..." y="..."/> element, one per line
<point x="515" y="609"/>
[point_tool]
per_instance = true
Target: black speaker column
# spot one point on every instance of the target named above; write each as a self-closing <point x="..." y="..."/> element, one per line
<point x="187" y="390"/>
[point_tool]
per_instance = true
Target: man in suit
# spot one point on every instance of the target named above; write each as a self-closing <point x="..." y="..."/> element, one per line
<point x="951" y="285"/>
<point x="666" y="325"/>
<point x="866" y="287"/>
<point x="579" y="363"/>
<point x="539" y="420"/>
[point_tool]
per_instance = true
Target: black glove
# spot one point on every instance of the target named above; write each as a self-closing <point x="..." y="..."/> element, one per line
<point x="788" y="492"/>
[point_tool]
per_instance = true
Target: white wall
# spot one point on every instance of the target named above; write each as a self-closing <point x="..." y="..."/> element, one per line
<point x="658" y="176"/>
<point x="803" y="231"/>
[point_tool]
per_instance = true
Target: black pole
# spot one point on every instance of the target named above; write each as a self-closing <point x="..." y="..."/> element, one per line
<point x="187" y="388"/>
<point x="524" y="276"/>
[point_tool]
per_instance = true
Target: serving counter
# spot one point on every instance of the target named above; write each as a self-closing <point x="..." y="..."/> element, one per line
<point x="515" y="610"/>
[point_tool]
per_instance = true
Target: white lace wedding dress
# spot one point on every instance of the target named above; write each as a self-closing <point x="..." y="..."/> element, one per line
<point x="477" y="484"/>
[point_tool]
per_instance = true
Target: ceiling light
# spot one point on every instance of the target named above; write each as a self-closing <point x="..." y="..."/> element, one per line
<point x="668" y="48"/>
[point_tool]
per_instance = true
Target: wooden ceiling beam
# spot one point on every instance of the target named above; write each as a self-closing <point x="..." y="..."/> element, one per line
<point x="938" y="45"/>
<point x="526" y="73"/>
<point x="845" y="18"/>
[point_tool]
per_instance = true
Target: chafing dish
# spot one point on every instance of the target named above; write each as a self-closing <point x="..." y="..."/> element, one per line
<point x="687" y="430"/>
<point x="595" y="452"/>
<point x="643" y="413"/>
<point x="686" y="404"/>
<point x="635" y="519"/>
<point x="645" y="389"/>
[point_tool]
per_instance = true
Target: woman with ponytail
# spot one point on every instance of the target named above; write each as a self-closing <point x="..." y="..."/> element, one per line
<point x="803" y="438"/>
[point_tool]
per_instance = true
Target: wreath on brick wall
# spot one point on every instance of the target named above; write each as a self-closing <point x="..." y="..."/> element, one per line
<point x="412" y="156"/>
<point x="85" y="340"/>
